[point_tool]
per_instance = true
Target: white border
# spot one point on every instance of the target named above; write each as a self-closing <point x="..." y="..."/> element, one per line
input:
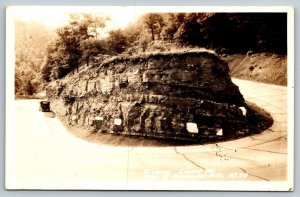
<point x="291" y="96"/>
<point x="138" y="185"/>
<point x="9" y="93"/>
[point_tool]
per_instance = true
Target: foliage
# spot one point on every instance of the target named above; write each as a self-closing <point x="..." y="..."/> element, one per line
<point x="91" y="47"/>
<point x="80" y="41"/>
<point x="73" y="45"/>
<point x="172" y="23"/>
<point x="31" y="39"/>
<point x="154" y="23"/>
<point x="117" y="41"/>
<point x="29" y="88"/>
<point x="236" y="32"/>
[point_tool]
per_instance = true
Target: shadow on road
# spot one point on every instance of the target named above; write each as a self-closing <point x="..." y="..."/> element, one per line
<point x="50" y="114"/>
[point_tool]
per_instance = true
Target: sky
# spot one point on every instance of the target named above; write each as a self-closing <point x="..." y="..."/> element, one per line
<point x="121" y="16"/>
<point x="58" y="16"/>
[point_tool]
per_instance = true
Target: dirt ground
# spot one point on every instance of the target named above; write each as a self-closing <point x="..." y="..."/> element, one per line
<point x="120" y="140"/>
<point x="261" y="67"/>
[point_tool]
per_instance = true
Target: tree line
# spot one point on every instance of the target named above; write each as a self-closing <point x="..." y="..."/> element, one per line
<point x="31" y="40"/>
<point x="82" y="39"/>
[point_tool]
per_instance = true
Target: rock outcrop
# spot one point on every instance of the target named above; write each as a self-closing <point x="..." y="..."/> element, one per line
<point x="168" y="95"/>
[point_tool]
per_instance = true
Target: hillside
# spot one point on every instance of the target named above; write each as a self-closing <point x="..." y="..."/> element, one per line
<point x="31" y="40"/>
<point x="261" y="67"/>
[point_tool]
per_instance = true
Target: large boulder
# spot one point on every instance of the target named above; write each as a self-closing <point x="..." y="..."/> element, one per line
<point x="186" y="95"/>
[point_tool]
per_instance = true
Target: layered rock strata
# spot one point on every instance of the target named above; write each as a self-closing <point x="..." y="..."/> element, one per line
<point x="171" y="95"/>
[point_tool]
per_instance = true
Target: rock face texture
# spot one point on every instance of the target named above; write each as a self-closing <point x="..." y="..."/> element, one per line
<point x="179" y="96"/>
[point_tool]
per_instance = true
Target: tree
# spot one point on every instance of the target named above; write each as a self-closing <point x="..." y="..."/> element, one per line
<point x="46" y="71"/>
<point x="95" y="22"/>
<point x="18" y="82"/>
<point x="154" y="22"/>
<point x="91" y="47"/>
<point x="189" y="31"/>
<point x="69" y="49"/>
<point x="117" y="41"/>
<point x="29" y="88"/>
<point x="31" y="40"/>
<point x="172" y="22"/>
<point x="56" y="64"/>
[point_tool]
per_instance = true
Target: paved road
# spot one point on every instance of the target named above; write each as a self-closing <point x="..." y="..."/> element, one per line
<point x="41" y="153"/>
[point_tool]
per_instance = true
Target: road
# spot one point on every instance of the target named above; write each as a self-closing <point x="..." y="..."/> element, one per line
<point x="42" y="154"/>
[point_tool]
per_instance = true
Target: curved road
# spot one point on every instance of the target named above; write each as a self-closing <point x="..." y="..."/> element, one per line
<point x="42" y="154"/>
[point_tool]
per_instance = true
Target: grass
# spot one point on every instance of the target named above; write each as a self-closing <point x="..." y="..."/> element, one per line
<point x="154" y="54"/>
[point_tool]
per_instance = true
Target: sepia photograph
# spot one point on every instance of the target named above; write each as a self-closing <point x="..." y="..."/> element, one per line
<point x="149" y="98"/>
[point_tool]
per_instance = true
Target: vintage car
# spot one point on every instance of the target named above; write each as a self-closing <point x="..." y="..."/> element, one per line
<point x="44" y="106"/>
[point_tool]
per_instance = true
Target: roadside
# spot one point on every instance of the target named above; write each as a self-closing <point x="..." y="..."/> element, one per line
<point x="268" y="68"/>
